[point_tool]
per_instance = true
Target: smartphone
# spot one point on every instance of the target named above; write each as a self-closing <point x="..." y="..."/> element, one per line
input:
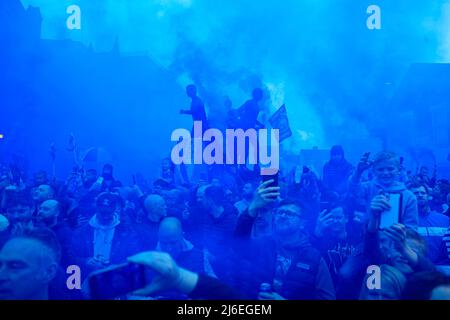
<point x="271" y="177"/>
<point x="117" y="280"/>
<point x="100" y="180"/>
<point x="324" y="205"/>
<point x="388" y="218"/>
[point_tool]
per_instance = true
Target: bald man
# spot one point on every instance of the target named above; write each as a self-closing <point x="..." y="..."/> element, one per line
<point x="29" y="263"/>
<point x="171" y="240"/>
<point x="155" y="209"/>
<point x="48" y="213"/>
<point x="42" y="193"/>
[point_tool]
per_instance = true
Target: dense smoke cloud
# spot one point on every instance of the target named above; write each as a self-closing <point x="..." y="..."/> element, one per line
<point x="318" y="57"/>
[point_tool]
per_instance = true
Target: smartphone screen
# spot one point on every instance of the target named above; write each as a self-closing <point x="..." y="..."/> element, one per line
<point x="271" y="177"/>
<point x="117" y="281"/>
<point x="324" y="205"/>
<point x="388" y="218"/>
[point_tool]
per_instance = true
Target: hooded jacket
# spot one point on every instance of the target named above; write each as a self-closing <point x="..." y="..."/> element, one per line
<point x="409" y="215"/>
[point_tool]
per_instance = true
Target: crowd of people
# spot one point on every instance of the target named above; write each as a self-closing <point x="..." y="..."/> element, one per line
<point x="308" y="236"/>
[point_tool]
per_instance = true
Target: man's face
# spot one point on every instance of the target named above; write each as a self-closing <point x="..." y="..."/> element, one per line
<point x="25" y="268"/>
<point x="40" y="178"/>
<point x="287" y="219"/>
<point x="165" y="165"/>
<point x="158" y="208"/>
<point x="161" y="207"/>
<point x="247" y="191"/>
<point x="421" y="195"/>
<point x="107" y="172"/>
<point x="42" y="193"/>
<point x="191" y="91"/>
<point x="339" y="220"/>
<point x="19" y="214"/>
<point x="336" y="157"/>
<point x="386" y="171"/>
<point x="173" y="199"/>
<point x="47" y="213"/>
<point x="200" y="195"/>
<point x="171" y="242"/>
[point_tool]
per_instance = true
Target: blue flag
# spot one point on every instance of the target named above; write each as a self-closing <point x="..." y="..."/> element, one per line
<point x="279" y="120"/>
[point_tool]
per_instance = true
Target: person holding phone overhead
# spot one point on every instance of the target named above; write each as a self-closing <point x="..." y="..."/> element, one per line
<point x="285" y="260"/>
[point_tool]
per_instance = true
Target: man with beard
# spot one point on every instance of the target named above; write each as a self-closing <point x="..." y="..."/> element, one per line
<point x="42" y="193"/>
<point x="105" y="239"/>
<point x="247" y="194"/>
<point x="49" y="216"/>
<point x="432" y="225"/>
<point x="333" y="239"/>
<point x="286" y="260"/>
<point x="85" y="195"/>
<point x="19" y="212"/>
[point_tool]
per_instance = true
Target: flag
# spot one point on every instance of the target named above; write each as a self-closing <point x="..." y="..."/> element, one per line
<point x="279" y="120"/>
<point x="98" y="155"/>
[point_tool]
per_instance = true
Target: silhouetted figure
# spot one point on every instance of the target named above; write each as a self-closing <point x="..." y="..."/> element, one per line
<point x="249" y="111"/>
<point x="197" y="109"/>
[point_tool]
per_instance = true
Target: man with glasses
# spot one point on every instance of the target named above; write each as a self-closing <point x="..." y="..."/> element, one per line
<point x="285" y="260"/>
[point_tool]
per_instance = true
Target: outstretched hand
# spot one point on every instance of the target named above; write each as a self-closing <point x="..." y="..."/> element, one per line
<point x="168" y="274"/>
<point x="324" y="220"/>
<point x="263" y="196"/>
<point x="364" y="163"/>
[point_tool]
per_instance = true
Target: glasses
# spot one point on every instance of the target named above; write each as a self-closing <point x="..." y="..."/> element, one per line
<point x="290" y="214"/>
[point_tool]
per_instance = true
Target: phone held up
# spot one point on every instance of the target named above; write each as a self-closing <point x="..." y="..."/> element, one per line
<point x="391" y="216"/>
<point x="118" y="280"/>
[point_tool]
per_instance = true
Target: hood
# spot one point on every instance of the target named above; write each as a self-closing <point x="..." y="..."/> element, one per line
<point x="396" y="187"/>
